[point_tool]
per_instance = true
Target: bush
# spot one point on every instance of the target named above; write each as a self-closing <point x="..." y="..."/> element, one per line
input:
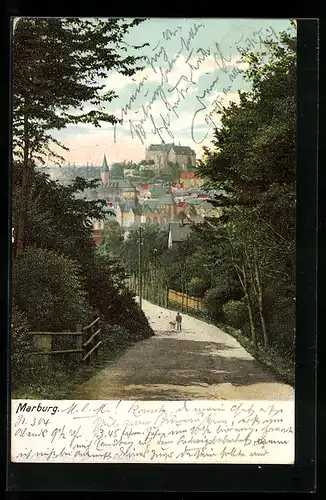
<point x="197" y="287"/>
<point x="21" y="346"/>
<point x="282" y="327"/>
<point x="225" y="288"/>
<point x="280" y="317"/>
<point x="235" y="313"/>
<point x="110" y="296"/>
<point x="213" y="302"/>
<point x="48" y="289"/>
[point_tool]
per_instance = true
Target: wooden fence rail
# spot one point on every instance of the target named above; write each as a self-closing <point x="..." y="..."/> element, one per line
<point x="185" y="301"/>
<point x="92" y="339"/>
<point x="88" y="339"/>
<point x="164" y="297"/>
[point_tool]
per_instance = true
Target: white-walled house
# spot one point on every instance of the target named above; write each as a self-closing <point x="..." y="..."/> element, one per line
<point x="178" y="232"/>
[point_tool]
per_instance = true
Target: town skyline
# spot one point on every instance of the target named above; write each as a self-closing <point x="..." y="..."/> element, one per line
<point x="189" y="74"/>
<point x="105" y="156"/>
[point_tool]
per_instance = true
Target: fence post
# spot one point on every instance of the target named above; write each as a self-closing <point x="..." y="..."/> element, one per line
<point x="79" y="340"/>
<point x="95" y="342"/>
<point x="43" y="344"/>
<point x="86" y="337"/>
<point x="91" y="358"/>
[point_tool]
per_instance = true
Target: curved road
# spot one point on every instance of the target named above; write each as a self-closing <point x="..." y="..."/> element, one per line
<point x="200" y="362"/>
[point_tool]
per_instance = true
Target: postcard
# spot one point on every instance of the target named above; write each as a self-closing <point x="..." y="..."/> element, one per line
<point x="153" y="240"/>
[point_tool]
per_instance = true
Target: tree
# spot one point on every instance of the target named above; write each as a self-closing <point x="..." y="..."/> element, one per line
<point x="20" y="346"/>
<point x="197" y="286"/>
<point x="58" y="66"/>
<point x="56" y="219"/>
<point x="61" y="224"/>
<point x="189" y="165"/>
<point x="153" y="250"/>
<point x="253" y="160"/>
<point x="174" y="170"/>
<point x="117" y="171"/>
<point x="148" y="174"/>
<point x="147" y="162"/>
<point x="253" y="164"/>
<point x="112" y="239"/>
<point x="48" y="288"/>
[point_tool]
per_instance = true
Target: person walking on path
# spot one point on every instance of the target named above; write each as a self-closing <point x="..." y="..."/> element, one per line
<point x="178" y="320"/>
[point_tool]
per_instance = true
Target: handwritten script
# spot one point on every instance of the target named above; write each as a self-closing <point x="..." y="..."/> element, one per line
<point x="151" y="110"/>
<point x="153" y="431"/>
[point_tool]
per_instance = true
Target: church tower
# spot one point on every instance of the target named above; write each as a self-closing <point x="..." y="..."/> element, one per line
<point x="105" y="173"/>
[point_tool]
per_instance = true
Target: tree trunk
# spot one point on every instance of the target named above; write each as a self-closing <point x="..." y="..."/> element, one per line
<point x="22" y="217"/>
<point x="146" y="285"/>
<point x="261" y="306"/>
<point x="251" y="319"/>
<point x="258" y="290"/>
<point x="245" y="287"/>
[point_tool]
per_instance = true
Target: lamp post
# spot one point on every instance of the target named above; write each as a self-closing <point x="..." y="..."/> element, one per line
<point x="140" y="270"/>
<point x="155" y="277"/>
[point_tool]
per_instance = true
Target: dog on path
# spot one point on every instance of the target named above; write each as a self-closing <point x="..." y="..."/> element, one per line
<point x="172" y="325"/>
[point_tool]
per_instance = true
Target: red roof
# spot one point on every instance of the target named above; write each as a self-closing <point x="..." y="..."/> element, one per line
<point x="182" y="203"/>
<point x="187" y="175"/>
<point x="202" y="196"/>
<point x="145" y="186"/>
<point x="97" y="236"/>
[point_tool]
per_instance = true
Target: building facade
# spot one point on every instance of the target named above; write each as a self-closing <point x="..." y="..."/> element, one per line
<point x="190" y="179"/>
<point x="162" y="154"/>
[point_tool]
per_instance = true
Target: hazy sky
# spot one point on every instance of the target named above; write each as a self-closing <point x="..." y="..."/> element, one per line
<point x="192" y="67"/>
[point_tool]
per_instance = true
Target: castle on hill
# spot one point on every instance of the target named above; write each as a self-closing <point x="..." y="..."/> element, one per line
<point x="163" y="154"/>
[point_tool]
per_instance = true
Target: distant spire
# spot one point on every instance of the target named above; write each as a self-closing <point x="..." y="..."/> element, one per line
<point x="105" y="167"/>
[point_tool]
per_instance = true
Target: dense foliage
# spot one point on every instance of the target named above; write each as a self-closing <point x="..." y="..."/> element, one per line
<point x="20" y="346"/>
<point x="48" y="289"/>
<point x="58" y="224"/>
<point x="253" y="163"/>
<point x="241" y="264"/>
<point x="60" y="68"/>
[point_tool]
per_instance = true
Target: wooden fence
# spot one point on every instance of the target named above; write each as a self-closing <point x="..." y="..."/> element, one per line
<point x="185" y="301"/>
<point x="164" y="297"/>
<point x="86" y="340"/>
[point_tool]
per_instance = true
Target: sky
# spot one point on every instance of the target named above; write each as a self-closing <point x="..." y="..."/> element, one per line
<point x="192" y="68"/>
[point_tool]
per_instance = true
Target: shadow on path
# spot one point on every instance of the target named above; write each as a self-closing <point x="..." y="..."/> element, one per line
<point x="188" y="362"/>
<point x="162" y="368"/>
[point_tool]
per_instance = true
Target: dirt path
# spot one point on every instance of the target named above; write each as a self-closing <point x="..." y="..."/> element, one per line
<point x="200" y="362"/>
